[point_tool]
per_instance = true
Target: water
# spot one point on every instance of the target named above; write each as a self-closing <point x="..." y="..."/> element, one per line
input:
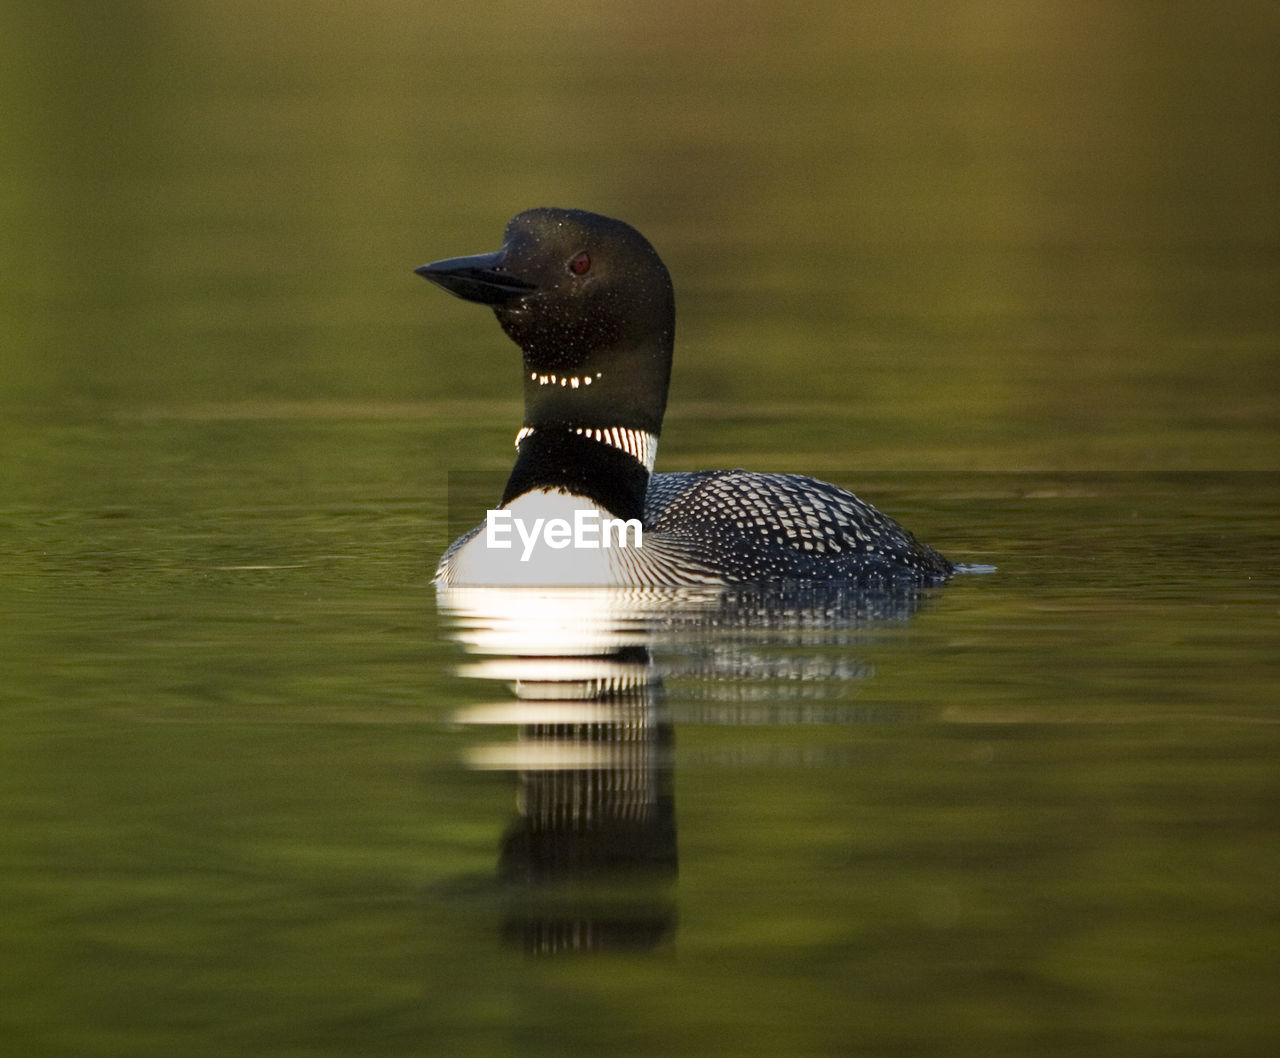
<point x="247" y="799"/>
<point x="1008" y="274"/>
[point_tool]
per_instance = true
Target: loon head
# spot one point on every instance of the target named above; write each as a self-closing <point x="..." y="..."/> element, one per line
<point x="590" y="304"/>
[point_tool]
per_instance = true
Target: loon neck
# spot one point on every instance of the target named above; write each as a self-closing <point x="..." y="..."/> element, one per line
<point x="607" y="465"/>
<point x="611" y="386"/>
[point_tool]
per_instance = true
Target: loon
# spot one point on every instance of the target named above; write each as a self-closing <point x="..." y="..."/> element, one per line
<point x="591" y="306"/>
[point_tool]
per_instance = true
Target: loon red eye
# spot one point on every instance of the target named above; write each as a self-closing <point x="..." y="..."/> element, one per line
<point x="581" y="264"/>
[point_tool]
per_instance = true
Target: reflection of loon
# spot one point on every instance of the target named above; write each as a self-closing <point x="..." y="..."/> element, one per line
<point x="591" y="306"/>
<point x="596" y="808"/>
<point x="592" y="852"/>
<point x="589" y="858"/>
<point x="595" y="760"/>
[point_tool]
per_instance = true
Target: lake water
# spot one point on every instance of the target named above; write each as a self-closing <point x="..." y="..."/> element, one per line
<point x="1006" y="271"/>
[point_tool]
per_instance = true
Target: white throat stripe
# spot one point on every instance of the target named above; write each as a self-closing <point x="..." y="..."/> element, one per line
<point x="572" y="381"/>
<point x="639" y="444"/>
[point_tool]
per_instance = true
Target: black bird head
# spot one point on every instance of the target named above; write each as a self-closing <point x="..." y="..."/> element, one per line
<point x="591" y="306"/>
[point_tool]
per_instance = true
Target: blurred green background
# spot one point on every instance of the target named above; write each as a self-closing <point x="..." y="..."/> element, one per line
<point x="968" y="234"/>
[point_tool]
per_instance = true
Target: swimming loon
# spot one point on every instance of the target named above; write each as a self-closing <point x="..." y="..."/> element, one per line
<point x="591" y="306"/>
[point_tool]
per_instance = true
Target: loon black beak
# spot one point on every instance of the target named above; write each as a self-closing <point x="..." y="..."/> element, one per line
<point x="480" y="278"/>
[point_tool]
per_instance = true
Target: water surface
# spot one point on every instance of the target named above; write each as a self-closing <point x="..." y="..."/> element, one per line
<point x="246" y="798"/>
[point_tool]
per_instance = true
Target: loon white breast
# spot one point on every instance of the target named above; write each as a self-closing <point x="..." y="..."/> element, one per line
<point x="591" y="306"/>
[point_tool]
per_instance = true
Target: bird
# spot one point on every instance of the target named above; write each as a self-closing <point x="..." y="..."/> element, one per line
<point x="591" y="306"/>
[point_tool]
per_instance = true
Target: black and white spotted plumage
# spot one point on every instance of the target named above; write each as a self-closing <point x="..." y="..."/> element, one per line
<point x="753" y="527"/>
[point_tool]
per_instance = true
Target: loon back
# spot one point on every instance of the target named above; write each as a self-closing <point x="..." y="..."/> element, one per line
<point x="760" y="527"/>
